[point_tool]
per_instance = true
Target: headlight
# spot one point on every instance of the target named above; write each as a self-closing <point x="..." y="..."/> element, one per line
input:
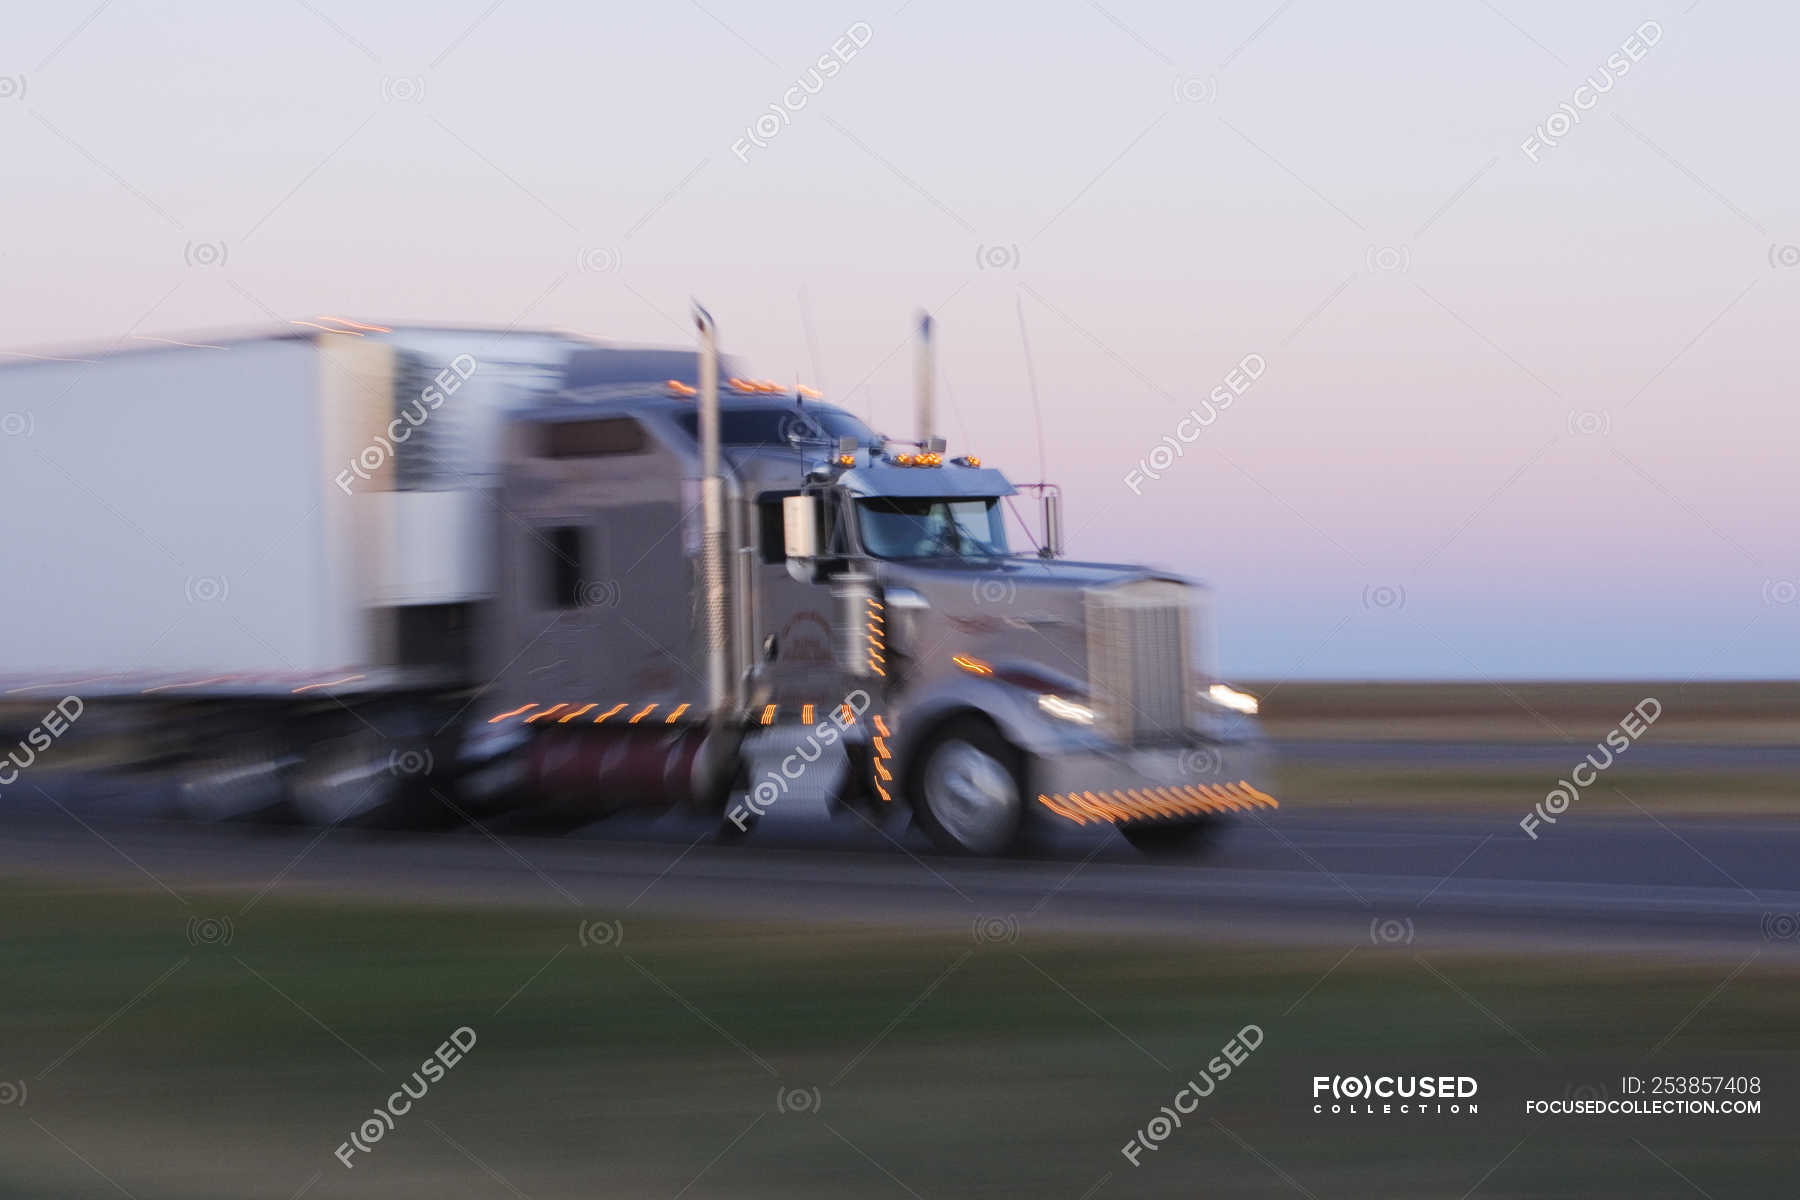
<point x="1230" y="697"/>
<point x="1066" y="710"/>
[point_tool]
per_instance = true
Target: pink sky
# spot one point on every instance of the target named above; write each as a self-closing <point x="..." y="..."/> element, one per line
<point x="1551" y="400"/>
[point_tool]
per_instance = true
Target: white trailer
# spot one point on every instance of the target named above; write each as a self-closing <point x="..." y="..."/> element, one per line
<point x="213" y="539"/>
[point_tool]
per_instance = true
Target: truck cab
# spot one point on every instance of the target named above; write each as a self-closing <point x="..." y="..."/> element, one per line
<point x="1020" y="686"/>
<point x="875" y="599"/>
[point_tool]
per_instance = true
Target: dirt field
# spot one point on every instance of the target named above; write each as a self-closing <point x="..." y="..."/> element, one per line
<point x="1457" y="746"/>
<point x="1724" y="713"/>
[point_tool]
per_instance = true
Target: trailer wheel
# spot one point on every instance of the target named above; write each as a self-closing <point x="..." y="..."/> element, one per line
<point x="343" y="778"/>
<point x="1174" y="840"/>
<point x="243" y="781"/>
<point x="967" y="789"/>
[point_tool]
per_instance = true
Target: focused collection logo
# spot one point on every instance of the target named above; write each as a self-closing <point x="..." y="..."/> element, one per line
<point x="1395" y="1095"/>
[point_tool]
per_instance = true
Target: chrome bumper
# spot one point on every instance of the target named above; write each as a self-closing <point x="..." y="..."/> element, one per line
<point x="1137" y="785"/>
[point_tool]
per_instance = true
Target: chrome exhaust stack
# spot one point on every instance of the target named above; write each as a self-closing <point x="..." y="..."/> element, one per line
<point x="717" y="764"/>
<point x="925" y="371"/>
<point x="712" y="524"/>
<point x="1051" y="499"/>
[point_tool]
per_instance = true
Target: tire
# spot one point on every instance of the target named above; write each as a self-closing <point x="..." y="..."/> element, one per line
<point x="376" y="768"/>
<point x="967" y="788"/>
<point x="343" y="780"/>
<point x="1178" y="839"/>
<point x="243" y="782"/>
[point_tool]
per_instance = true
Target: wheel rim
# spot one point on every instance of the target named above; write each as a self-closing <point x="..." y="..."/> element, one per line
<point x="972" y="796"/>
<point x="345" y="779"/>
<point x="222" y="788"/>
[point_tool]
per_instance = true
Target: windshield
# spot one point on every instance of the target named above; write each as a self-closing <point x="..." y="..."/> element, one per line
<point x="925" y="528"/>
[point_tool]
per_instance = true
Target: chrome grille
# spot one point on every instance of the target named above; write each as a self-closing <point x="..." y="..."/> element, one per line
<point x="1139" y="659"/>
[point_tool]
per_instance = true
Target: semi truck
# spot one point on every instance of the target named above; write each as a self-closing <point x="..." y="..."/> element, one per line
<point x="350" y="572"/>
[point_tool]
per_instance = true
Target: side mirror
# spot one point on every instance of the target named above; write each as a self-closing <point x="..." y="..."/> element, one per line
<point x="800" y="535"/>
<point x="1053" y="525"/>
<point x="800" y="526"/>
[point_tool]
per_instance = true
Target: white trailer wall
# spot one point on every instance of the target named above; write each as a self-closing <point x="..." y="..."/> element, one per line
<point x="437" y="534"/>
<point x="165" y="512"/>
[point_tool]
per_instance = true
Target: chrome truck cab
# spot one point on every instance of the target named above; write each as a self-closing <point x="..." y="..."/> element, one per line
<point x="1013" y="689"/>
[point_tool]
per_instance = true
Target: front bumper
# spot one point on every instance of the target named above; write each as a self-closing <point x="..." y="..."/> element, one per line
<point x="1144" y="785"/>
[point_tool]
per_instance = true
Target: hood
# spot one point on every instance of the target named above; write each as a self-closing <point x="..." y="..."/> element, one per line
<point x="1009" y="612"/>
<point x="994" y="577"/>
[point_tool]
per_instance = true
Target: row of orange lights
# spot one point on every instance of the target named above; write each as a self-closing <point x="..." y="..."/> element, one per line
<point x="566" y="712"/>
<point x="924" y="458"/>
<point x="185" y="683"/>
<point x="768" y="387"/>
<point x="761" y="387"/>
<point x="882" y="756"/>
<point x="344" y="325"/>
<point x="1134" y="804"/>
<point x="877" y="639"/>
<point x="576" y="711"/>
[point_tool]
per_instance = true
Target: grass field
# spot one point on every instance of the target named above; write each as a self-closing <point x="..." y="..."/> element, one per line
<point x="164" y="1056"/>
<point x="1500" y="714"/>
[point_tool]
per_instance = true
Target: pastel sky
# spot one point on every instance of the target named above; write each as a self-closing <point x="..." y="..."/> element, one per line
<point x="1527" y="412"/>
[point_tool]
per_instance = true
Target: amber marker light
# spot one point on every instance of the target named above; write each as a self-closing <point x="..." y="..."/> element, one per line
<point x="308" y="687"/>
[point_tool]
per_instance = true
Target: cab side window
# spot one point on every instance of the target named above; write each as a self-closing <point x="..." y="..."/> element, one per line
<point x="770" y="540"/>
<point x="834" y="538"/>
<point x="562" y="566"/>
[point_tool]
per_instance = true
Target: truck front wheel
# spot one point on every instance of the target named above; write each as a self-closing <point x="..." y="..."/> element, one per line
<point x="967" y="789"/>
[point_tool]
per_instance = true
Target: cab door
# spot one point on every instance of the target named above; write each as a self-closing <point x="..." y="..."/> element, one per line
<point x="797" y="614"/>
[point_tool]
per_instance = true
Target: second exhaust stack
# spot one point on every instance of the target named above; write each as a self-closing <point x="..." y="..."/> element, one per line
<point x="712" y="522"/>
<point x="926" y="371"/>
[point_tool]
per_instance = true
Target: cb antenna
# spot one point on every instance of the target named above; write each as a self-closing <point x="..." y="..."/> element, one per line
<point x="812" y="341"/>
<point x="1037" y="407"/>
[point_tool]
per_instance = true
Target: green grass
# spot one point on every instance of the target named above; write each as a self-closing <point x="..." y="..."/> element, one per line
<point x="627" y="1069"/>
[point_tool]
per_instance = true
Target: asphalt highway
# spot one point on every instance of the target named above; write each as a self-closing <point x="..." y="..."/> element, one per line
<point x="1620" y="883"/>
